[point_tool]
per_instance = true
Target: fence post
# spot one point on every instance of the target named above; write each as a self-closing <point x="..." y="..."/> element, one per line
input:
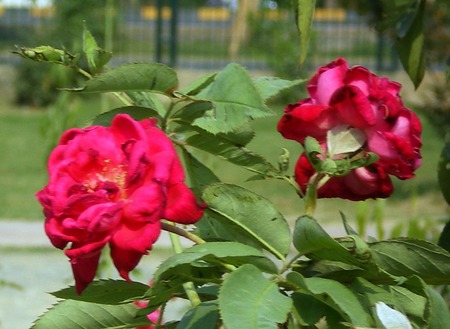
<point x="173" y="33"/>
<point x="158" y="31"/>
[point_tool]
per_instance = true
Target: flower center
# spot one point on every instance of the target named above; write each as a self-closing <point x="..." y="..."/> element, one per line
<point x="110" y="178"/>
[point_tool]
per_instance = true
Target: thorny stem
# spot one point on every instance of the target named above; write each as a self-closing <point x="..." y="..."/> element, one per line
<point x="180" y="232"/>
<point x="189" y="287"/>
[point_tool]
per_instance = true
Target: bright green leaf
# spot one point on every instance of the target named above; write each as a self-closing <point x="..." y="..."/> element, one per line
<point x="249" y="300"/>
<point x="134" y="77"/>
<point x="198" y="85"/>
<point x="96" y="56"/>
<point x="251" y="214"/>
<point x="71" y="314"/>
<point x="235" y="101"/>
<point x="149" y="100"/>
<point x="270" y="87"/>
<point x="105" y="292"/>
<point x="304" y="11"/>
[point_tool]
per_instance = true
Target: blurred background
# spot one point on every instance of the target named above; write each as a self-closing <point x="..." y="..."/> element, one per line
<point x="196" y="37"/>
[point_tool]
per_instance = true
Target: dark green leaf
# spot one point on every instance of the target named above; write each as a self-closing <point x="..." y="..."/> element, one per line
<point x="444" y="169"/>
<point x="136" y="112"/>
<point x="444" y="238"/>
<point x="215" y="253"/>
<point x="238" y="155"/>
<point x="335" y="295"/>
<point x="438" y="311"/>
<point x="309" y="310"/>
<point x="411" y="48"/>
<point x="406" y="257"/>
<point x="235" y="101"/>
<point x="105" y="292"/>
<point x="248" y="300"/>
<point x="304" y="11"/>
<point x="134" y="77"/>
<point x="312" y="240"/>
<point x="71" y="314"/>
<point x="204" y="316"/>
<point x="251" y="214"/>
<point x="269" y="87"/>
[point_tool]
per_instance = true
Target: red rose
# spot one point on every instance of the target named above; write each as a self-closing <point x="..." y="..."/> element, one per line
<point x="356" y="98"/>
<point x="113" y="185"/>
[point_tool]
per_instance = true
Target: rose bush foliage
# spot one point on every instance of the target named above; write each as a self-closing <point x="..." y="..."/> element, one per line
<point x="353" y="98"/>
<point x="113" y="185"/>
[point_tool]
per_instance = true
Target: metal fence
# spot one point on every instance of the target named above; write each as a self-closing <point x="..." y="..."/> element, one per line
<point x="199" y="37"/>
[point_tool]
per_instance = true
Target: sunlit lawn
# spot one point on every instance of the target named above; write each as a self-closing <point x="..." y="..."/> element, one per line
<point x="22" y="171"/>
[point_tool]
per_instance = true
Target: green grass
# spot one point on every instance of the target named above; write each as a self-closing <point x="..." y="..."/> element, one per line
<point x="22" y="165"/>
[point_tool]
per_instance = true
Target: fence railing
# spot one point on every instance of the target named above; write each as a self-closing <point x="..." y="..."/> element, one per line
<point x="199" y="38"/>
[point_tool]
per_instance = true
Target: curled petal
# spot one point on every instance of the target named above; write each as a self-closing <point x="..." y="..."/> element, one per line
<point x="182" y="206"/>
<point x="327" y="80"/>
<point x="305" y="119"/>
<point x="354" y="107"/>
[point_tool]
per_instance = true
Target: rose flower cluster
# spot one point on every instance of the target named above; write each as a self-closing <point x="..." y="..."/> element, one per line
<point x="113" y="185"/>
<point x="355" y="98"/>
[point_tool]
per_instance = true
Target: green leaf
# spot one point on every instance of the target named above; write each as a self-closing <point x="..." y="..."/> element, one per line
<point x="47" y="54"/>
<point x="444" y="169"/>
<point x="105" y="292"/>
<point x="312" y="240"/>
<point x="309" y="310"/>
<point x="199" y="175"/>
<point x="269" y="87"/>
<point x="249" y="300"/>
<point x="204" y="316"/>
<point x="235" y="101"/>
<point x="335" y="295"/>
<point x="214" y="253"/>
<point x="444" y="238"/>
<point x="96" y="56"/>
<point x="224" y="148"/>
<point x="438" y="311"/>
<point x="411" y="48"/>
<point x="149" y="100"/>
<point x="406" y="257"/>
<point x="136" y="112"/>
<point x="134" y="77"/>
<point x="198" y="85"/>
<point x="251" y="214"/>
<point x="71" y="314"/>
<point x="304" y="11"/>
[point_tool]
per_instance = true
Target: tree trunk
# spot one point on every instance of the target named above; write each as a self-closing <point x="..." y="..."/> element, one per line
<point x="240" y="30"/>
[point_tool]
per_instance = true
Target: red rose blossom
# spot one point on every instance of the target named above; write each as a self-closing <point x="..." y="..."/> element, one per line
<point x="113" y="185"/>
<point x="356" y="98"/>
